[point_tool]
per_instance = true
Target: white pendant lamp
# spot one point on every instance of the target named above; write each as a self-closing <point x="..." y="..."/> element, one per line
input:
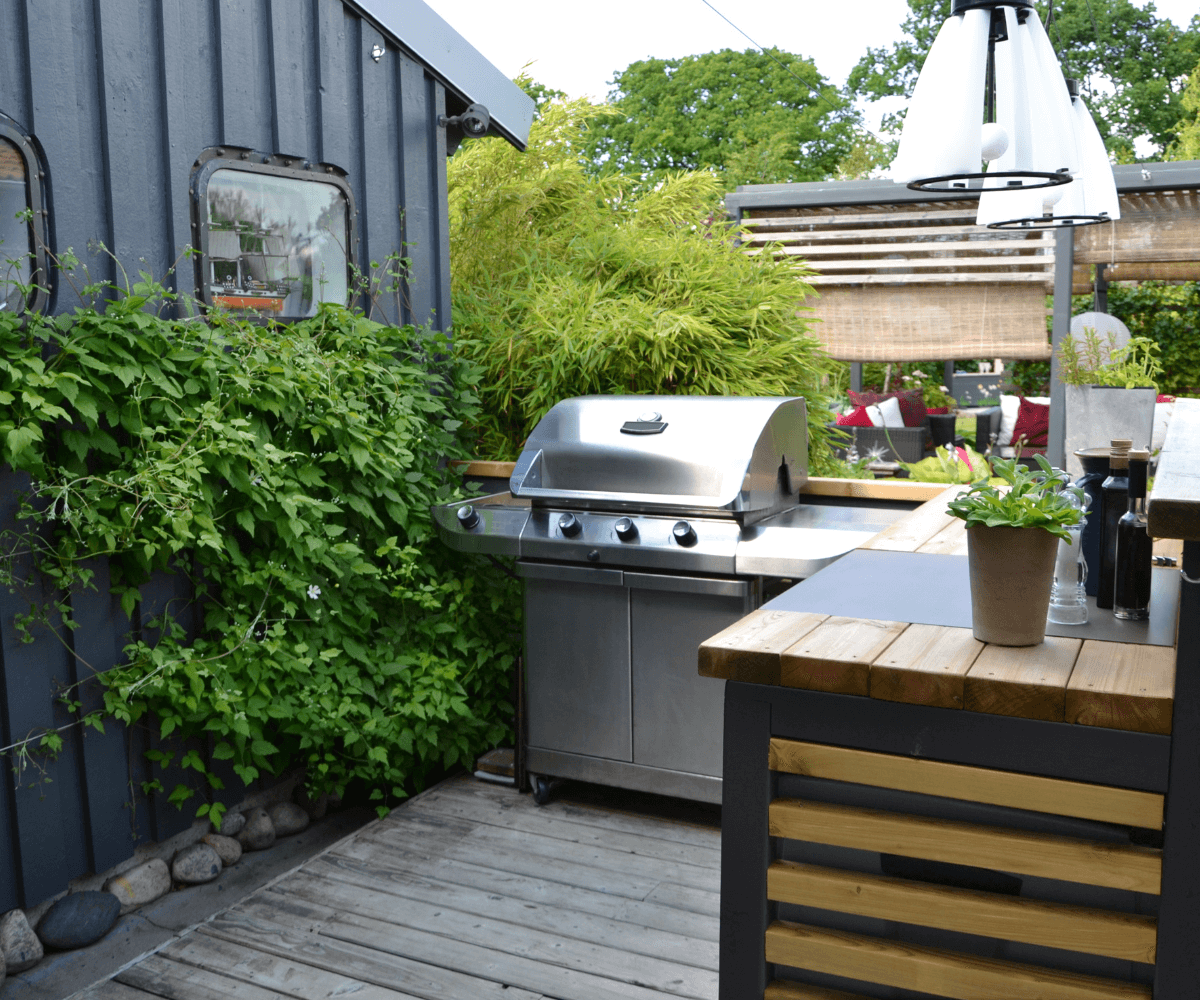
<point x="992" y="90"/>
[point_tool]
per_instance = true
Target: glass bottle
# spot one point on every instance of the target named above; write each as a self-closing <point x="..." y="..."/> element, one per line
<point x="1134" y="547"/>
<point x="1068" y="598"/>
<point x="1095" y="471"/>
<point x="1114" y="501"/>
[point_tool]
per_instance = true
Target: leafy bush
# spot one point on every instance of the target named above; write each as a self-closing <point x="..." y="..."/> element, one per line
<point x="1170" y="316"/>
<point x="295" y="465"/>
<point x="565" y="284"/>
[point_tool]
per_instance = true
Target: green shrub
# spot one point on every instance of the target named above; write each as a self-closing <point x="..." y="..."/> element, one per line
<point x="1170" y="316"/>
<point x="565" y="285"/>
<point x="294" y="467"/>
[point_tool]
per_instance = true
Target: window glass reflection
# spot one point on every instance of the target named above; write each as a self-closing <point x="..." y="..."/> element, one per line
<point x="16" y="250"/>
<point x="276" y="245"/>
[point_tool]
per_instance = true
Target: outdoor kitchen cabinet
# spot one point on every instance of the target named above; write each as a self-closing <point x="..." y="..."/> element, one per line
<point x="971" y="821"/>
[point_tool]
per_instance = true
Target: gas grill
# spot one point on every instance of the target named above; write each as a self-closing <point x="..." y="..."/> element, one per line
<point x="642" y="526"/>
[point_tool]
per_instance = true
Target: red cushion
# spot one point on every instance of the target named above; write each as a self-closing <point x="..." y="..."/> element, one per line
<point x="1163" y="398"/>
<point x="937" y="411"/>
<point x="912" y="405"/>
<point x="1033" y="424"/>
<point x="858" y="418"/>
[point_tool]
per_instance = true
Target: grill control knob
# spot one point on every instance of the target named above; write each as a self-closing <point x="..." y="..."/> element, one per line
<point x="626" y="530"/>
<point x="570" y="525"/>
<point x="467" y="516"/>
<point x="684" y="533"/>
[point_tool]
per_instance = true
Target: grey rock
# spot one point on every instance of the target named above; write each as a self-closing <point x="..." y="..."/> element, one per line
<point x="3" y="969"/>
<point x="231" y="824"/>
<point x="196" y="864"/>
<point x="78" y="919"/>
<point x="259" y="832"/>
<point x="18" y="944"/>
<point x="287" y="818"/>
<point x="228" y="849"/>
<point x="140" y="885"/>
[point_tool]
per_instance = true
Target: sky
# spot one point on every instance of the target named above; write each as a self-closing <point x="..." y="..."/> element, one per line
<point x="577" y="47"/>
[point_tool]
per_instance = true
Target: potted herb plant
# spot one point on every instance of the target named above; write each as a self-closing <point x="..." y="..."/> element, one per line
<point x="1012" y="539"/>
<point x="1110" y="391"/>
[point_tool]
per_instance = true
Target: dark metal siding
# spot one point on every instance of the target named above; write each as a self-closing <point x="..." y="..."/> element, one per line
<point x="122" y="95"/>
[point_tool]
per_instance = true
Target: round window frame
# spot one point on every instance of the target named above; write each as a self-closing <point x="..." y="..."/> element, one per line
<point x="35" y="198"/>
<point x="272" y="164"/>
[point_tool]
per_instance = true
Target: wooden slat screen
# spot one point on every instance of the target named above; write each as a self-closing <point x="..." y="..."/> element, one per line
<point x="924" y="283"/>
<point x="1159" y="227"/>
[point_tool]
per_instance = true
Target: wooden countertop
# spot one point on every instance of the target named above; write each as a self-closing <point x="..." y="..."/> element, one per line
<point x="1086" y="682"/>
<point x="1173" y="508"/>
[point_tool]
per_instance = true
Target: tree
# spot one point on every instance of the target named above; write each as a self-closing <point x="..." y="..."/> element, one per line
<point x="1133" y="64"/>
<point x="1187" y="146"/>
<point x="752" y="117"/>
<point x="566" y="284"/>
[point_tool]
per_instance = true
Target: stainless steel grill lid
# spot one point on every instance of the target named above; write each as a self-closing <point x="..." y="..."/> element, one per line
<point x="731" y="456"/>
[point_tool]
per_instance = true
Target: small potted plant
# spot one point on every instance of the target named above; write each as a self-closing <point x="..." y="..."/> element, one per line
<point x="1012" y="540"/>
<point x="1110" y="391"/>
<point x="940" y="406"/>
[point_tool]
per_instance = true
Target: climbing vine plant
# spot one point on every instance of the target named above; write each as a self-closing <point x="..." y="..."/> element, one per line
<point x="290" y="470"/>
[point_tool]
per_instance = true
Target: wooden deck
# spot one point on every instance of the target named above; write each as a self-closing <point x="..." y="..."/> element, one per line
<point x="470" y="892"/>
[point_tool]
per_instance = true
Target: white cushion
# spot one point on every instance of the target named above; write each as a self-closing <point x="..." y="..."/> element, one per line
<point x="890" y="411"/>
<point x="1010" y="406"/>
<point x="875" y="415"/>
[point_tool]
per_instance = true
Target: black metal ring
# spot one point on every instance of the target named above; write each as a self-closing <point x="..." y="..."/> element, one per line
<point x="958" y="6"/>
<point x="1049" y="222"/>
<point x="1051" y="180"/>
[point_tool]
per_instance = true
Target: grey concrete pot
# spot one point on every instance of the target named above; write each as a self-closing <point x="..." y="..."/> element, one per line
<point x="1098" y="413"/>
<point x="1012" y="570"/>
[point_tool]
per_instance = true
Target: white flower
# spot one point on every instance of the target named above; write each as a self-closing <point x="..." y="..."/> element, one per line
<point x="943" y="388"/>
<point x="313" y="591"/>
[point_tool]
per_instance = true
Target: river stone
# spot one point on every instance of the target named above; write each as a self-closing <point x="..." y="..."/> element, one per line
<point x="259" y="832"/>
<point x="79" y="919"/>
<point x="140" y="885"/>
<point x="196" y="864"/>
<point x="287" y="818"/>
<point x="228" y="849"/>
<point x="231" y="824"/>
<point x="18" y="944"/>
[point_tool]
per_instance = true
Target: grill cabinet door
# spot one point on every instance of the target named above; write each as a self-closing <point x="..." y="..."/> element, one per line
<point x="678" y="716"/>
<point x="577" y="660"/>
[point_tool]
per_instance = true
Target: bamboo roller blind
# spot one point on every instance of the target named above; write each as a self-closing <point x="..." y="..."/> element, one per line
<point x="1157" y="227"/>
<point x="916" y="282"/>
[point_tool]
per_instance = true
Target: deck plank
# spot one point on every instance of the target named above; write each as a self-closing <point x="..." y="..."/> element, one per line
<point x="383" y="898"/>
<point x="161" y="977"/>
<point x="528" y="967"/>
<point x="110" y="989"/>
<point x="749" y="649"/>
<point x="927" y="665"/>
<point x="674" y="830"/>
<point x="512" y="817"/>
<point x="289" y="976"/>
<point x="836" y="656"/>
<point x="1029" y="682"/>
<point x="384" y="866"/>
<point x="1123" y="686"/>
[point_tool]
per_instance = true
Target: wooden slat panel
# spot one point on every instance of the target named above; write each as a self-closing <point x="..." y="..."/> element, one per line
<point x="836" y="656"/>
<point x="490" y="470"/>
<point x="1118" y="866"/>
<point x="782" y="990"/>
<point x="749" y="649"/>
<point x="1127" y="936"/>
<point x="932" y="970"/>
<point x="971" y="784"/>
<point x="855" y="218"/>
<point x="927" y="665"/>
<point x="912" y="246"/>
<point x="892" y="233"/>
<point x="911" y="532"/>
<point x="897" y="263"/>
<point x="1123" y="686"/>
<point x="1029" y="682"/>
<point x="979" y="277"/>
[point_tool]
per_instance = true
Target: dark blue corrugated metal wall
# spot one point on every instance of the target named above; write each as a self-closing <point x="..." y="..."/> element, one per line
<point x="122" y="95"/>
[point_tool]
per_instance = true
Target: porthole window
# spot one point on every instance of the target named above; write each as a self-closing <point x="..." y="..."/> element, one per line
<point x="275" y="235"/>
<point x="23" y="271"/>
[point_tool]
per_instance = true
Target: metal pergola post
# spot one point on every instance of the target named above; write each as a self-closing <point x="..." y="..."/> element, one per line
<point x="1064" y="274"/>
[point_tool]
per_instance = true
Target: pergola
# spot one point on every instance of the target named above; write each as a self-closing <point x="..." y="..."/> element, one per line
<point x="904" y="276"/>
